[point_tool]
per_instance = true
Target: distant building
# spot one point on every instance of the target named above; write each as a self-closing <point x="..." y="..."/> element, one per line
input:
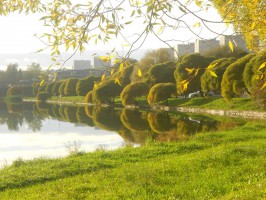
<point x="202" y="46"/>
<point x="183" y="49"/>
<point x="98" y="63"/>
<point x="82" y="64"/>
<point x="237" y="40"/>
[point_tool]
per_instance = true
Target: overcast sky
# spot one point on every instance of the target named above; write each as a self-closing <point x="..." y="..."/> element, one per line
<point x="17" y="34"/>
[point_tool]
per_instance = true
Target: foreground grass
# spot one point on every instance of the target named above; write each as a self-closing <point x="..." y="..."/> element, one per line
<point x="223" y="165"/>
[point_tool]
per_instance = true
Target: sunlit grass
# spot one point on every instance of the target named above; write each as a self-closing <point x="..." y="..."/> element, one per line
<point x="223" y="165"/>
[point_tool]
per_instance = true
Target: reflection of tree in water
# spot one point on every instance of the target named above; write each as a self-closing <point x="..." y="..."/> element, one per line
<point x="83" y="118"/>
<point x="107" y="118"/>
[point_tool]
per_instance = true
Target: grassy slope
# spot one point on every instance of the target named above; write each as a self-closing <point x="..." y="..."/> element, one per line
<point x="224" y="165"/>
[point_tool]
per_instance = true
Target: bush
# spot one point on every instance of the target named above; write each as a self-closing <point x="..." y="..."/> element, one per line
<point x="85" y="85"/>
<point x="132" y="91"/>
<point x="161" y="92"/>
<point x="55" y="89"/>
<point x="106" y="92"/>
<point x="49" y="88"/>
<point x="35" y="88"/>
<point x="191" y="61"/>
<point x="88" y="97"/>
<point x="42" y="88"/>
<point x="232" y="81"/>
<point x="61" y="88"/>
<point x="161" y="73"/>
<point x="43" y="96"/>
<point x="70" y="87"/>
<point x="211" y="83"/>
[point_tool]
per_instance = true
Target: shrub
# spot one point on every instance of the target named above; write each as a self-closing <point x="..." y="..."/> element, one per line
<point x="191" y="61"/>
<point x="106" y="92"/>
<point x="61" y="88"/>
<point x="49" y="88"/>
<point x="85" y="85"/>
<point x="55" y="89"/>
<point x="43" y="96"/>
<point x="70" y="87"/>
<point x="232" y="81"/>
<point x="35" y="88"/>
<point x="211" y="83"/>
<point x="42" y="88"/>
<point x="161" y="73"/>
<point x="132" y="91"/>
<point x="88" y="97"/>
<point x="161" y="92"/>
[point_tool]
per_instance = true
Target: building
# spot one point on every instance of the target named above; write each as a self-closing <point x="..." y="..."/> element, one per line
<point x="98" y="63"/>
<point x="237" y="40"/>
<point x="82" y="64"/>
<point x="183" y="49"/>
<point x="201" y="46"/>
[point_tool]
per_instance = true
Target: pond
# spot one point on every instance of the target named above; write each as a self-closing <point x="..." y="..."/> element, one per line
<point x="32" y="130"/>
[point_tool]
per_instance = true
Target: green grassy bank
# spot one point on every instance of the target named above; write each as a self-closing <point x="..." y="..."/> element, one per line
<point x="222" y="165"/>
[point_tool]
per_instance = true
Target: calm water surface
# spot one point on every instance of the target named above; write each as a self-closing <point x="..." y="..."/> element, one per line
<point x="32" y="130"/>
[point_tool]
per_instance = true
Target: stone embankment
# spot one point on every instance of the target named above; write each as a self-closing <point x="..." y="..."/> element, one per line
<point x="229" y="113"/>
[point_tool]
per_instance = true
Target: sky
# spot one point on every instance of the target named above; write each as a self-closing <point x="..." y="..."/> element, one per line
<point x="17" y="36"/>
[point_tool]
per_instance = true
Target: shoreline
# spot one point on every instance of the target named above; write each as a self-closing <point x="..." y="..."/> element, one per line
<point x="249" y="114"/>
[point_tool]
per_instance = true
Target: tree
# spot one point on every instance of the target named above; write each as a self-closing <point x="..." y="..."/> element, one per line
<point x="161" y="92"/>
<point x="189" y="70"/>
<point x="225" y="52"/>
<point x="33" y="71"/>
<point x="161" y="73"/>
<point x="248" y="17"/>
<point x="132" y="91"/>
<point x="211" y="82"/>
<point x="232" y="82"/>
<point x="12" y="72"/>
<point x="73" y="25"/>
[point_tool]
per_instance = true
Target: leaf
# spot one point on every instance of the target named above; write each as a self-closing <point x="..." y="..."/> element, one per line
<point x="213" y="74"/>
<point x="262" y="66"/>
<point x="42" y="82"/>
<point x="118" y="81"/>
<point x="185" y="85"/>
<point x="253" y="25"/>
<point x="105" y="59"/>
<point x="189" y="70"/>
<point x="231" y="46"/>
<point x="139" y="73"/>
<point x="112" y="71"/>
<point x="212" y="65"/>
<point x="196" y="24"/>
<point x="182" y="9"/>
<point x="161" y="30"/>
<point x="198" y="3"/>
<point x="121" y="66"/>
<point x="103" y="78"/>
<point x="264" y="85"/>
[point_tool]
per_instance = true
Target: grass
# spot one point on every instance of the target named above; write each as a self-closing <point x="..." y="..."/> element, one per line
<point x="223" y="165"/>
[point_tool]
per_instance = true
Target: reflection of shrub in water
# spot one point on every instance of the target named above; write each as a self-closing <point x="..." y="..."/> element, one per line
<point x="89" y="111"/>
<point x="134" y="120"/>
<point x="83" y="118"/>
<point x="187" y="127"/>
<point x="107" y="118"/>
<point x="70" y="113"/>
<point x="160" y="122"/>
<point x="43" y="108"/>
<point x="14" y="108"/>
<point x="56" y="113"/>
<point x="62" y="113"/>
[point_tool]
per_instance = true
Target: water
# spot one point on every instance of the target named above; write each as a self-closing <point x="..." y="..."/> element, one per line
<point x="32" y="130"/>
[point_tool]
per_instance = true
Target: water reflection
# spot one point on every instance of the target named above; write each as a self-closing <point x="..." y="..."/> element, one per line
<point x="35" y="129"/>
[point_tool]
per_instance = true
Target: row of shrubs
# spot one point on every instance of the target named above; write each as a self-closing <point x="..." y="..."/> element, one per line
<point x="229" y="77"/>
